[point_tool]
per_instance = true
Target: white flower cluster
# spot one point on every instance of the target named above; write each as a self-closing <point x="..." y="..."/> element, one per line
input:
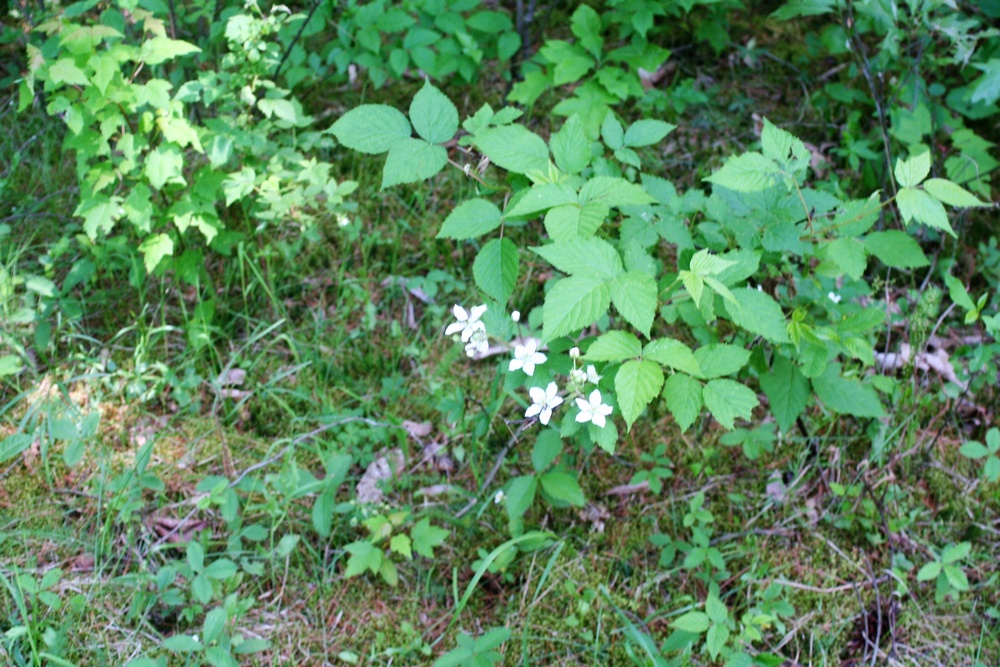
<point x="471" y="328"/>
<point x="472" y="331"/>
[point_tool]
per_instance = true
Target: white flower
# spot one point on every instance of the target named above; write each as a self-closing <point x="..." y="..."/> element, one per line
<point x="543" y="402"/>
<point x="499" y="497"/>
<point x="833" y="296"/>
<point x="527" y="357"/>
<point x="577" y="377"/>
<point x="574" y="353"/>
<point x="479" y="343"/>
<point x="343" y="220"/>
<point x="468" y="323"/>
<point x="516" y="316"/>
<point x="592" y="375"/>
<point x="593" y="410"/>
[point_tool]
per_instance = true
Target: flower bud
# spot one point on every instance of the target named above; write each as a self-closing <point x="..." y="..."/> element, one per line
<point x="516" y="316"/>
<point x="574" y="353"/>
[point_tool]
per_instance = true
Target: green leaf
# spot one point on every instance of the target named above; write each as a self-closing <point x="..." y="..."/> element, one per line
<point x="563" y="488"/>
<point x="635" y="296"/>
<point x="972" y="449"/>
<point x="749" y="172"/>
<point x="214" y="625"/>
<point x="782" y="146"/>
<point x="161" y="49"/>
<point x="637" y="383"/>
<point x="564" y="223"/>
<point x="849" y="254"/>
<point x="164" y="164"/>
<point x="182" y="644"/>
<point x="471" y="219"/>
<point x="847" y="395"/>
<point x="727" y="400"/>
<point x="758" y="313"/>
<point x="433" y="115"/>
<point x="571" y="147"/>
<point x="920" y="206"/>
<point x="695" y="622"/>
<point x="371" y="128"/>
<point x="929" y="571"/>
<point x="672" y="353"/>
<point x="956" y="577"/>
<point x="716" y="639"/>
<point x="896" y="249"/>
<point x="99" y="214"/>
<point x="514" y="148"/>
<point x="65" y="70"/>
<point x="586" y="25"/>
<point x="958" y="294"/>
<point x="716" y="609"/>
<point x="520" y="495"/>
<point x="683" y="395"/>
<point x="154" y="249"/>
<point x="13" y="445"/>
<point x="426" y="537"/>
<point x="496" y="268"/>
<point x="10" y="364"/>
<point x="720" y="359"/>
<point x="542" y="197"/>
<point x="364" y="556"/>
<point x="954" y="553"/>
<point x="547" y="448"/>
<point x="986" y="88"/>
<point x="400" y="544"/>
<point x="787" y="391"/>
<point x="909" y="173"/>
<point x="704" y="263"/>
<point x="612" y="132"/>
<point x="613" y="192"/>
<point x="411" y="160"/>
<point x="588" y="257"/>
<point x="574" y="303"/>
<point x="952" y="194"/>
<point x="614" y="346"/>
<point x="647" y="132"/>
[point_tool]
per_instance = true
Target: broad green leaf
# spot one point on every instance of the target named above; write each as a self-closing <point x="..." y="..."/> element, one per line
<point x="635" y="297"/>
<point x="514" y="148"/>
<point x="99" y="214"/>
<point x="896" y="249"/>
<point x="279" y="108"/>
<point x="547" y="448"/>
<point x="574" y="303"/>
<point x="613" y="192"/>
<point x="411" y="160"/>
<point x="705" y="263"/>
<point x="749" y="172"/>
<point x="758" y="313"/>
<point x="728" y="400"/>
<point x="614" y="346"/>
<point x="849" y="254"/>
<point x="716" y="609"/>
<point x="215" y="623"/>
<point x="683" y="395"/>
<point x="958" y="294"/>
<point x="720" y="359"/>
<point x="972" y="449"/>
<point x="956" y="577"/>
<point x="929" y="571"/>
<point x="563" y="488"/>
<point x="65" y="70"/>
<point x="719" y="288"/>
<point x="955" y="552"/>
<point x="542" y="197"/>
<point x="364" y="556"/>
<point x="612" y="132"/>
<point x="715" y="639"/>
<point x="847" y="395"/>
<point x="154" y="249"/>
<point x="694" y="284"/>
<point x="787" y="391"/>
<point x="586" y="25"/>
<point x="909" y="173"/>
<point x="10" y="364"/>
<point x="182" y="644"/>
<point x="672" y="353"/>
<point x="952" y="194"/>
<point x="920" y="206"/>
<point x="782" y="146"/>
<point x="571" y="147"/>
<point x="637" y="383"/>
<point x="695" y="622"/>
<point x="371" y="128"/>
<point x="605" y="437"/>
<point x="572" y="221"/>
<point x="588" y="257"/>
<point x="433" y="115"/>
<point x="471" y="219"/>
<point x="164" y="164"/>
<point x="425" y="537"/>
<point x="856" y="216"/>
<point x="161" y="49"/>
<point x="647" y="132"/>
<point x="986" y="88"/>
<point x="520" y="495"/>
<point x="400" y="543"/>
<point x="13" y="445"/>
<point x="496" y="267"/>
